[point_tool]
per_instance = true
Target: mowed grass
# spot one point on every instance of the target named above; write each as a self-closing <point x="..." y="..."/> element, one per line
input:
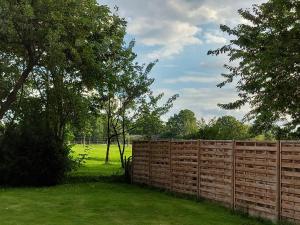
<point x="106" y="202"/>
<point x="94" y="164"/>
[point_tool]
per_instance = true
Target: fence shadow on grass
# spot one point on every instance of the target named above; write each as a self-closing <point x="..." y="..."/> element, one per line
<point x="90" y="179"/>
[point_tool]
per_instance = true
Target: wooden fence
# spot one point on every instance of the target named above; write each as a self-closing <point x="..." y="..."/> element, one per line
<point x="259" y="178"/>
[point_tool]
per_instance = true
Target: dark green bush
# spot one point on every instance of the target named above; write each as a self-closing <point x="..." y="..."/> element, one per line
<point x="128" y="169"/>
<point x="32" y="156"/>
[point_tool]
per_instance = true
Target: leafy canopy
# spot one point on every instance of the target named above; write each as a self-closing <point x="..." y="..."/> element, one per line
<point x="224" y="128"/>
<point x="182" y="124"/>
<point x="71" y="36"/>
<point x="267" y="50"/>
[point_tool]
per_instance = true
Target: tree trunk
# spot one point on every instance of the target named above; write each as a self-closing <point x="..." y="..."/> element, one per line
<point x="108" y="133"/>
<point x="107" y="150"/>
<point x="123" y="146"/>
<point x="119" y="147"/>
<point x="124" y="138"/>
<point x="11" y="98"/>
<point x="121" y="153"/>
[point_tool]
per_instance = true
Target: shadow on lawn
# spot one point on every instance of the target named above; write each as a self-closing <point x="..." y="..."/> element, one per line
<point x="96" y="159"/>
<point x="116" y="178"/>
<point x="101" y="159"/>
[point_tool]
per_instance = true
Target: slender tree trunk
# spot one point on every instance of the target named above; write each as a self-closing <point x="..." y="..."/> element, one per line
<point x="121" y="153"/>
<point x="11" y="98"/>
<point x="108" y="133"/>
<point x="119" y="147"/>
<point x="123" y="146"/>
<point x="124" y="138"/>
<point x="107" y="150"/>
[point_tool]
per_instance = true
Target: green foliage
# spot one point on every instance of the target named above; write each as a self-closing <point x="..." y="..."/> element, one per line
<point x="32" y="156"/>
<point x="32" y="148"/>
<point x="2" y="128"/>
<point x="128" y="169"/>
<point x="91" y="126"/>
<point x="72" y="38"/>
<point x="121" y="94"/>
<point x="149" y="121"/>
<point x="149" y="124"/>
<point x="181" y="125"/>
<point x="275" y="132"/>
<point x="61" y="64"/>
<point x="268" y="51"/>
<point x="97" y="124"/>
<point x="53" y="55"/>
<point x="225" y="128"/>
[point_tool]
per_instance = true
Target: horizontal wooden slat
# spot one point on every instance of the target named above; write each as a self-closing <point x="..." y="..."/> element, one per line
<point x="245" y="173"/>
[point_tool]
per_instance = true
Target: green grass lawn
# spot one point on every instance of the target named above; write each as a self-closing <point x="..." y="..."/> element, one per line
<point x="95" y="163"/>
<point x="106" y="202"/>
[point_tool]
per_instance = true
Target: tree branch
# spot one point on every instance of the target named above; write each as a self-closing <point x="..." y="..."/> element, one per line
<point x="11" y="98"/>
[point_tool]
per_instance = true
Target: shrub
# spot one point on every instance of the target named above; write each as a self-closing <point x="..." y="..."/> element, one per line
<point x="32" y="157"/>
<point x="128" y="169"/>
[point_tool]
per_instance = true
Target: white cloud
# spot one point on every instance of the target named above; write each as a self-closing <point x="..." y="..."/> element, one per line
<point x="211" y="38"/>
<point x="203" y="101"/>
<point x="191" y="11"/>
<point x="167" y="27"/>
<point x="171" y="25"/>
<point x="194" y="79"/>
<point x="217" y="63"/>
<point x="154" y="32"/>
<point x="170" y="36"/>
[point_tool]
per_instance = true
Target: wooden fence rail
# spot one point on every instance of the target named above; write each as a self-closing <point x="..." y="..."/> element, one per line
<point x="259" y="178"/>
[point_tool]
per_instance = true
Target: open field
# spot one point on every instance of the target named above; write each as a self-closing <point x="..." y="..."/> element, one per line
<point x="107" y="202"/>
<point x="95" y="161"/>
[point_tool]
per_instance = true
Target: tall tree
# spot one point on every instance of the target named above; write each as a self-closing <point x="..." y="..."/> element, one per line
<point x="126" y="82"/>
<point x="70" y="36"/>
<point x="267" y="50"/>
<point x="149" y="123"/>
<point x="134" y="85"/>
<point x="225" y="128"/>
<point x="128" y="94"/>
<point x="182" y="124"/>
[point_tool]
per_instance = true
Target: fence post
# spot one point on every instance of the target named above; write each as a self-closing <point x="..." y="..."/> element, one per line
<point x="149" y="162"/>
<point x="170" y="162"/>
<point x="233" y="173"/>
<point x="132" y="164"/>
<point x="199" y="171"/>
<point x="278" y="205"/>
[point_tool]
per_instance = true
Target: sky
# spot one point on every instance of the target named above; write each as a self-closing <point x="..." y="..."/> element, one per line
<point x="179" y="34"/>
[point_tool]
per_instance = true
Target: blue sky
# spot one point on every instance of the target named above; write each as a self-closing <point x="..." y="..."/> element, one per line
<point x="179" y="33"/>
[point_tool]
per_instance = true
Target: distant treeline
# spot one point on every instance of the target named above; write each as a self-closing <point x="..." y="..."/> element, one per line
<point x="185" y="125"/>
